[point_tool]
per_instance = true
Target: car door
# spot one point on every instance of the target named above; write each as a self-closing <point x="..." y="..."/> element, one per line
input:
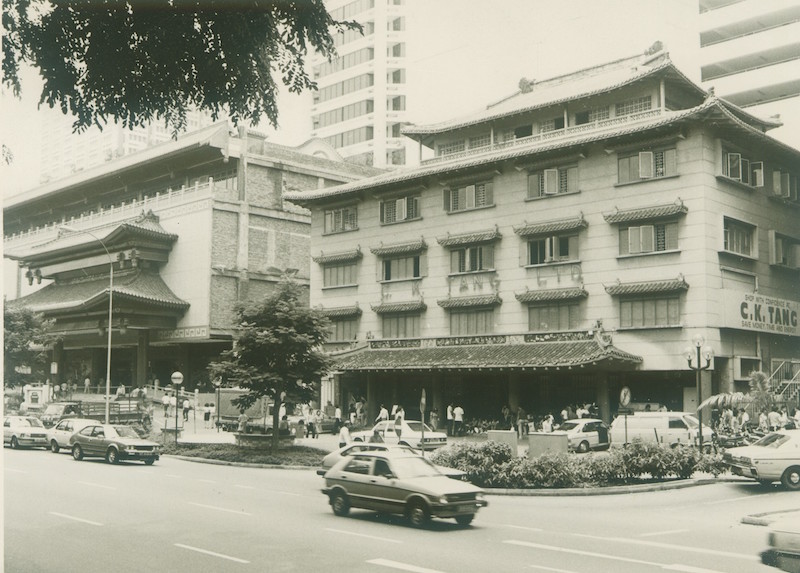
<point x="62" y="432"/>
<point x="385" y="495"/>
<point x="7" y="430"/>
<point x="589" y="433"/>
<point x="94" y="441"/>
<point x="354" y="478"/>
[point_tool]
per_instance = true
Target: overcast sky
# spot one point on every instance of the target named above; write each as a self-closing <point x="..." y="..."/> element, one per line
<point x="462" y="55"/>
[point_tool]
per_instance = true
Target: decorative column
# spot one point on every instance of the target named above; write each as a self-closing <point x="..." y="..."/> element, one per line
<point x="142" y="357"/>
<point x="602" y="398"/>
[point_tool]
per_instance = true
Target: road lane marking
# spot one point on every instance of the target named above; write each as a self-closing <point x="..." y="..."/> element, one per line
<point x="538" y="529"/>
<point x="72" y="517"/>
<point x="173" y="476"/>
<point x="543" y="568"/>
<point x="92" y="484"/>
<point x="244" y="486"/>
<point x="285" y="493"/>
<point x="670" y="546"/>
<point x="15" y="471"/>
<point x="720" y="501"/>
<point x="672" y="567"/>
<point x="362" y="535"/>
<point x="668" y="532"/>
<point x="207" y="480"/>
<point x="212" y="553"/>
<point x="688" y="569"/>
<point x="402" y="566"/>
<point x="219" y="508"/>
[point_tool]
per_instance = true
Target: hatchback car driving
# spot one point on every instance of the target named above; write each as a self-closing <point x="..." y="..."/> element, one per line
<point x="401" y="483"/>
<point x="586" y="434"/>
<point x="774" y="457"/>
<point x="112" y="442"/>
<point x="24" y="431"/>
<point x="410" y="435"/>
<point x="58" y="436"/>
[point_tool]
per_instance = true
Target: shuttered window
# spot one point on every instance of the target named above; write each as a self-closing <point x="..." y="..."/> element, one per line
<point x="472" y="259"/>
<point x="648" y="238"/>
<point x="334" y="275"/>
<point x="644" y="312"/>
<point x="553" y="317"/>
<point x="402" y="209"/>
<point x="339" y="220"/>
<point x="469" y="322"/>
<point x="647" y="165"/>
<point x="543" y="250"/>
<point x="555" y="181"/>
<point x="468" y="197"/>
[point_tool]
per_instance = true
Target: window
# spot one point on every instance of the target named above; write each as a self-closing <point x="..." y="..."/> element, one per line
<point x="739" y="168"/>
<point x="553" y="317"/>
<point x="468" y="197"/>
<point x="401" y="268"/>
<point x="452" y="147"/>
<point x="783" y="251"/>
<point x="402" y="209"/>
<point x="350" y="137"/>
<point x="738" y="237"/>
<point x="655" y="237"/>
<point x="343" y="113"/>
<point x="552" y="249"/>
<point x="400" y="325"/>
<point x="358" y="466"/>
<point x="334" y="275"/>
<point x="551" y="124"/>
<point x="339" y="220"/>
<point x="635" y="105"/>
<point x="469" y="322"/>
<point x="523" y="131"/>
<point x="344" y="87"/>
<point x="344" y="330"/>
<point x="649" y="312"/>
<point x="785" y="185"/>
<point x="480" y="141"/>
<point x="647" y="165"/>
<point x="472" y="259"/>
<point x="553" y="181"/>
<point x="591" y="115"/>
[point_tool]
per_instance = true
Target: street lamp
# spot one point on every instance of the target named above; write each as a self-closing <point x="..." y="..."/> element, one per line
<point x="177" y="380"/>
<point x="695" y="353"/>
<point x="110" y="309"/>
<point x="217" y="384"/>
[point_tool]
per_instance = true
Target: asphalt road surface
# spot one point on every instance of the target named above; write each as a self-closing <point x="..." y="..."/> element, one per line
<point x="179" y="516"/>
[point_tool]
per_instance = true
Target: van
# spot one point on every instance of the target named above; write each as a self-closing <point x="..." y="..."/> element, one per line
<point x="662" y="427"/>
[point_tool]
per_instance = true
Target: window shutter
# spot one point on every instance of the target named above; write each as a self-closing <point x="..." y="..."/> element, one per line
<point x="423" y="265"/>
<point x="489" y="193"/>
<point x="795" y="262"/>
<point x="470" y="196"/>
<point x="757" y="170"/>
<point x="786" y="185"/>
<point x="746" y="171"/>
<point x="645" y="165"/>
<point x="671" y="231"/>
<point x="774" y="257"/>
<point x="534" y="189"/>
<point x="648" y="238"/>
<point x="524" y="253"/>
<point x="670" y="162"/>
<point x="735" y="166"/>
<point x="634" y="240"/>
<point x="624" y="249"/>
<point x="548" y="249"/>
<point x="455" y="261"/>
<point x="400" y="210"/>
<point x="328" y="221"/>
<point x="382" y="212"/>
<point x="573" y="248"/>
<point x="446" y="200"/>
<point x="550" y="181"/>
<point x="488" y="257"/>
<point x="776" y="183"/>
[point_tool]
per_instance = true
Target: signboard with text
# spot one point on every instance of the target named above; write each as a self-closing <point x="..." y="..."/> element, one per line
<point x="752" y="311"/>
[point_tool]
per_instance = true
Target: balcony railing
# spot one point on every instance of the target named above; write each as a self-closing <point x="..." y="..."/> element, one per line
<point x="572" y="131"/>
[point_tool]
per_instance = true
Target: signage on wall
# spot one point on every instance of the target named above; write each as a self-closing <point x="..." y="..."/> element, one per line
<point x="183" y="333"/>
<point x="752" y="311"/>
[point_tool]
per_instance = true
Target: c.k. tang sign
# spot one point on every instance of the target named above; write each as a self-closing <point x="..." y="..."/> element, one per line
<point x="749" y="311"/>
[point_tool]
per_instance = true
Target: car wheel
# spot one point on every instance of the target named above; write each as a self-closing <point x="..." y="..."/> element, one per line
<point x="791" y="478"/>
<point x="112" y="456"/>
<point x="340" y="504"/>
<point x="14" y="443"/>
<point x="418" y="514"/>
<point x="77" y="452"/>
<point x="54" y="446"/>
<point x="583" y="447"/>
<point x="465" y="520"/>
<point x="150" y="461"/>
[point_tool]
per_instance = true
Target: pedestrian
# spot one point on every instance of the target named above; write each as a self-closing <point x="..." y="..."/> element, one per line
<point x="165" y="403"/>
<point x="242" y="423"/>
<point x="206" y="415"/>
<point x="458" y="419"/>
<point x="383" y="415"/>
<point x="87" y="383"/>
<point x="564" y="415"/>
<point x="522" y="422"/>
<point x="434" y="418"/>
<point x="547" y="424"/>
<point x="337" y="419"/>
<point x="283" y="426"/>
<point x="344" y="434"/>
<point x="450" y="422"/>
<point x="212" y="411"/>
<point x="311" y="425"/>
<point x="774" y="419"/>
<point x="359" y="406"/>
<point x="363" y="420"/>
<point x="398" y="421"/>
<point x="186" y="409"/>
<point x="318" y="418"/>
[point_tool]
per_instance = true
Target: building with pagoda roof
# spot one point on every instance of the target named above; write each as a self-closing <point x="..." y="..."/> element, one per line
<point x="191" y="228"/>
<point x="566" y="242"/>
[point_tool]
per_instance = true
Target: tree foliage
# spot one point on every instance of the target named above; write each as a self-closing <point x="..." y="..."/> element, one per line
<point x="139" y="60"/>
<point x="278" y="351"/>
<point x="25" y="333"/>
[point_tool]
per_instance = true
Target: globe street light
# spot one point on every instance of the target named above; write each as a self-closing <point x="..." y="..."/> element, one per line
<point x="217" y="384"/>
<point x="177" y="380"/>
<point x="110" y="309"/>
<point x="694" y="353"/>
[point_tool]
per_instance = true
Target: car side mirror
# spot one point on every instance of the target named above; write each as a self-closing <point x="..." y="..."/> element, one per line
<point x="388" y="475"/>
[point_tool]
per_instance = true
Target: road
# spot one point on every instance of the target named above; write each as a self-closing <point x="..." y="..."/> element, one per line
<point x="63" y="515"/>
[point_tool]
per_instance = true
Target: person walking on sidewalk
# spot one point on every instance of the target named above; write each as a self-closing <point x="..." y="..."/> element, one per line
<point x="458" y="419"/>
<point x="344" y="434"/>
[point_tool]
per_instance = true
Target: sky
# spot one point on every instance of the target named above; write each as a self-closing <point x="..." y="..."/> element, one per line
<point x="463" y="54"/>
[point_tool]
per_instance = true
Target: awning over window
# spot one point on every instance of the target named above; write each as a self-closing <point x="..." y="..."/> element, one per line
<point x="341" y="257"/>
<point x="342" y="311"/>
<point x="648" y="287"/>
<point x="400" y="248"/>
<point x="470" y="301"/>
<point x="533" y="356"/>
<point x="530" y="229"/>
<point x="655" y="212"/>
<point x="397" y="307"/>
<point x="549" y="295"/>
<point x="469" y="238"/>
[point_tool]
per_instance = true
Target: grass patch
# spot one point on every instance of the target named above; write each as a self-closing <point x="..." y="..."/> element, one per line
<point x="289" y="456"/>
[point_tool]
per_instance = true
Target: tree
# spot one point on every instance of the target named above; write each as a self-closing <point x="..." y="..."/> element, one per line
<point x="278" y="351"/>
<point x="136" y="60"/>
<point x="25" y="334"/>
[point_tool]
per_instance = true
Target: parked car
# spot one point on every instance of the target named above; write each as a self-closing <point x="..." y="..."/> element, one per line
<point x="58" y="436"/>
<point x="410" y="435"/>
<point x="663" y="427"/>
<point x="357" y="447"/>
<point x="24" y="431"/>
<point x="784" y="542"/>
<point x="402" y="483"/>
<point x="586" y="434"/>
<point x="112" y="442"/>
<point x="54" y="411"/>
<point x="774" y="457"/>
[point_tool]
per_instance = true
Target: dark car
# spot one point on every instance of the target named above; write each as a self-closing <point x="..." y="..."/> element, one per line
<point x="402" y="483"/>
<point x="114" y="443"/>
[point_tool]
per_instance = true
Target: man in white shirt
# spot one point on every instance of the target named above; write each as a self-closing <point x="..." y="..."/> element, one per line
<point x="344" y="435"/>
<point x="383" y="415"/>
<point x="458" y="419"/>
<point x="449" y="427"/>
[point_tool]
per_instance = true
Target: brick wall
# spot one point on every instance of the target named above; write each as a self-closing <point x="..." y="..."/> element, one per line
<point x="225" y="246"/>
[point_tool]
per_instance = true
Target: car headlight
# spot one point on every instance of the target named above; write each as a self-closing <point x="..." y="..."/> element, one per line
<point x="443" y="499"/>
<point x="479" y="496"/>
<point x="23" y="434"/>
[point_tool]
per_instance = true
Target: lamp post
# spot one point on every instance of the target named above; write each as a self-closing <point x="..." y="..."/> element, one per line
<point x="217" y="384"/>
<point x="110" y="309"/>
<point x="177" y="380"/>
<point x="694" y="353"/>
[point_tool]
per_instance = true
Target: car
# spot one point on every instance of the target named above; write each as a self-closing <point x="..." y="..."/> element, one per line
<point x="586" y="434"/>
<point x="664" y="427"/>
<point x="113" y="442"/>
<point x="24" y="431"/>
<point x="784" y="542"/>
<point x="411" y="435"/>
<point x="774" y="457"/>
<point x="58" y="436"/>
<point x="57" y="410"/>
<point x="400" y="483"/>
<point x="335" y="456"/>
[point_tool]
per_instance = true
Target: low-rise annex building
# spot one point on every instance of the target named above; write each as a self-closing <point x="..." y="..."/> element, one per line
<point x="564" y="243"/>
<point x="191" y="227"/>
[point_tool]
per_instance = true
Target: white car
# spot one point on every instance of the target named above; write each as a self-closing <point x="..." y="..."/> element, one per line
<point x="774" y="457"/>
<point x="24" y="431"/>
<point x="784" y="543"/>
<point x="586" y="434"/>
<point x="58" y="436"/>
<point x="410" y="435"/>
<point x="358" y="447"/>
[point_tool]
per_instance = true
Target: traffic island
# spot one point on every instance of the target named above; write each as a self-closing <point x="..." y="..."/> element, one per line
<point x="261" y="441"/>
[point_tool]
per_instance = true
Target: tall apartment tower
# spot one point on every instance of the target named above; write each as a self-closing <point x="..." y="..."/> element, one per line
<point x="360" y="105"/>
<point x="750" y="54"/>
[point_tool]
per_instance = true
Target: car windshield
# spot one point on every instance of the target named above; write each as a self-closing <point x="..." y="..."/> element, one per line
<point x="773" y="440"/>
<point x="413" y="467"/>
<point x="417" y="426"/>
<point x="691" y="421"/>
<point x="568" y="426"/>
<point x="125" y="432"/>
<point x="33" y="422"/>
<point x="53" y="409"/>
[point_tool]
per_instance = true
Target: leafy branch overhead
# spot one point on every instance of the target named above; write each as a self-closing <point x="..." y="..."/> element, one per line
<point x="139" y="60"/>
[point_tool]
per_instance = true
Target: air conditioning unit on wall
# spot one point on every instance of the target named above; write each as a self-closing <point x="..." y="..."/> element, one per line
<point x="744" y="365"/>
